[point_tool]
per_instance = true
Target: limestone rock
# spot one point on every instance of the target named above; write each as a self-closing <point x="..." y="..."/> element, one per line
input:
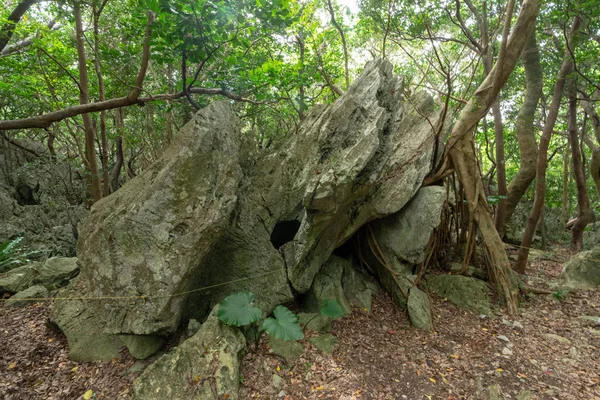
<point x="18" y="279"/>
<point x="324" y="343"/>
<point x="316" y="322"/>
<point x="556" y="338"/>
<point x="142" y="346"/>
<point x="289" y="350"/>
<point x="403" y="237"/>
<point x="358" y="289"/>
<point x="213" y="210"/>
<point x="52" y="274"/>
<point x="37" y="291"/>
<point x="582" y="270"/>
<point x="468" y="293"/>
<point x="152" y="236"/>
<point x="419" y="309"/>
<point x="212" y="355"/>
<point x="328" y="285"/>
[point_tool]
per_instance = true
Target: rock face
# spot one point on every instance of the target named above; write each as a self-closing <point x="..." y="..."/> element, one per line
<point x="402" y="239"/>
<point x="583" y="270"/>
<point x="204" y="367"/>
<point x="41" y="200"/>
<point x="51" y="274"/>
<point x="213" y="211"/>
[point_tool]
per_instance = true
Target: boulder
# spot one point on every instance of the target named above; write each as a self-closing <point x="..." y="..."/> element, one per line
<point x="290" y="350"/>
<point x="419" y="309"/>
<point x="327" y="285"/>
<point x="402" y="239"/>
<point x="37" y="291"/>
<point x="52" y="274"/>
<point x="204" y="367"/>
<point x="142" y="346"/>
<point x="358" y="289"/>
<point x="153" y="237"/>
<point x="213" y="211"/>
<point x="18" y="279"/>
<point x="464" y="292"/>
<point x="583" y="270"/>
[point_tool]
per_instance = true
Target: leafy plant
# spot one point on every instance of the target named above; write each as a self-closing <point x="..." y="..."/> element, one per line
<point x="12" y="255"/>
<point x="238" y="310"/>
<point x="284" y="326"/>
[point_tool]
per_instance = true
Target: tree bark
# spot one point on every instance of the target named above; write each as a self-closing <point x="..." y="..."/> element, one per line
<point x="525" y="128"/>
<point x="595" y="163"/>
<point x="585" y="215"/>
<point x="460" y="151"/>
<point x="542" y="160"/>
<point x="90" y="150"/>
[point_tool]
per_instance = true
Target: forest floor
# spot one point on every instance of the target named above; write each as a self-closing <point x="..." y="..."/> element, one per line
<point x="378" y="355"/>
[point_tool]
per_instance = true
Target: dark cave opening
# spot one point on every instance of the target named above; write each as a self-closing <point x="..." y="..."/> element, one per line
<point x="284" y="231"/>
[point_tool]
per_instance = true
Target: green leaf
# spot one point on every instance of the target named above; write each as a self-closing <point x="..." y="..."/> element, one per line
<point x="237" y="309"/>
<point x="332" y="309"/>
<point x="284" y="326"/>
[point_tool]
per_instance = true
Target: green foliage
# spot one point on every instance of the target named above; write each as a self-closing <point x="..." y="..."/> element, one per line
<point x="12" y="255"/>
<point x="237" y="309"/>
<point x="284" y="326"/>
<point x="332" y="309"/>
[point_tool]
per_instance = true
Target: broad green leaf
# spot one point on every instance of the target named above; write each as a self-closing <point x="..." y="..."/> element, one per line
<point x="284" y="326"/>
<point x="332" y="309"/>
<point x="237" y="309"/>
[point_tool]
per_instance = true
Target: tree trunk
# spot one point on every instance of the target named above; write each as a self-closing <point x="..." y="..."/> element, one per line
<point x="461" y="155"/>
<point x="102" y="97"/>
<point x="524" y="128"/>
<point x="585" y="215"/>
<point x="595" y="163"/>
<point x="84" y="99"/>
<point x="501" y="169"/>
<point x="120" y="159"/>
<point x="345" y="48"/>
<point x="542" y="161"/>
<point x="565" y="187"/>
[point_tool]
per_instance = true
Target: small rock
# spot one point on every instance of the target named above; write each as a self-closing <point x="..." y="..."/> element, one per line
<point x="503" y="338"/>
<point x="517" y="325"/>
<point x="324" y="343"/>
<point x="277" y="381"/>
<point x="282" y="394"/>
<point x="556" y="338"/>
<point x="525" y="395"/>
<point x="573" y="353"/>
<point x="596" y="320"/>
<point x="494" y="392"/>
<point x="507" y="323"/>
<point x="595" y="332"/>
<point x="286" y="349"/>
<point x="37" y="291"/>
<point x="506" y="351"/>
<point x="193" y="326"/>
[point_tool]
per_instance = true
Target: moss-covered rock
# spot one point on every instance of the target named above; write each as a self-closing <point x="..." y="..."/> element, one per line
<point x="19" y="299"/>
<point x="419" y="309"/>
<point x="210" y="357"/>
<point x="464" y="292"/>
<point x="583" y="269"/>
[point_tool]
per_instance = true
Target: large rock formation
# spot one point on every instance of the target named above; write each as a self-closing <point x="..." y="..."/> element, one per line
<point x="41" y="200"/>
<point x="213" y="211"/>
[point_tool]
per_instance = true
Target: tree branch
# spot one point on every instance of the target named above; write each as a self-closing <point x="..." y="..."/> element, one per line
<point x="13" y="19"/>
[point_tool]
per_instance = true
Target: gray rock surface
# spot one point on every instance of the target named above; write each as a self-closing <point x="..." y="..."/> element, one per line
<point x="402" y="238"/>
<point x="583" y="270"/>
<point x="52" y="274"/>
<point x="290" y="350"/>
<point x="153" y="235"/>
<point x="328" y="285"/>
<point x="213" y="210"/>
<point x="419" y="309"/>
<point x="209" y="361"/>
<point x="37" y="291"/>
<point x="464" y="292"/>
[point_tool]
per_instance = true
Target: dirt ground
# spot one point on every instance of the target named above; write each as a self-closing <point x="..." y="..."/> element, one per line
<point x="378" y="356"/>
